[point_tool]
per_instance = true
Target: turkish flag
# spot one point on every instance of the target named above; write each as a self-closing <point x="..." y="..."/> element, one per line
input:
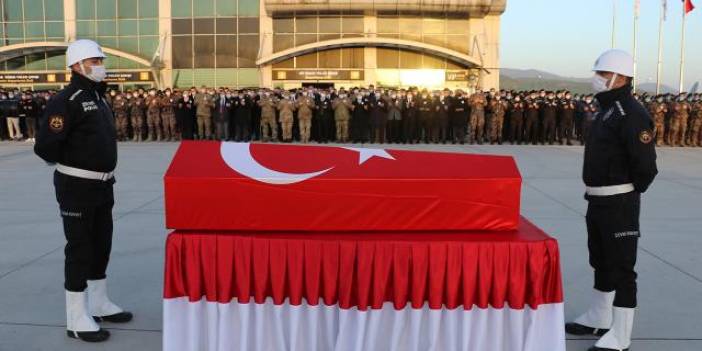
<point x="688" y="6"/>
<point x="263" y="187"/>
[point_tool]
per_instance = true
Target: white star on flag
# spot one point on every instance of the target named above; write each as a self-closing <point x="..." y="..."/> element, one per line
<point x="364" y="154"/>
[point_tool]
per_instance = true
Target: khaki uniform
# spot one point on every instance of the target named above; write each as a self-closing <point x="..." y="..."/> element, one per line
<point x="476" y="122"/>
<point x="204" y="103"/>
<point x="120" y="108"/>
<point x="153" y="117"/>
<point x="168" y="119"/>
<point x="658" y="110"/>
<point x="696" y="125"/>
<point x="305" y="105"/>
<point x="497" y="121"/>
<point x="286" y="108"/>
<point x="136" y="112"/>
<point x="678" y="124"/>
<point x="268" y="122"/>
<point x="342" y="115"/>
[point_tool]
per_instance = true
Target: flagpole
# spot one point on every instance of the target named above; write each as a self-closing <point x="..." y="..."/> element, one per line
<point x="660" y="52"/>
<point x="614" y="23"/>
<point x="636" y="38"/>
<point x="682" y="53"/>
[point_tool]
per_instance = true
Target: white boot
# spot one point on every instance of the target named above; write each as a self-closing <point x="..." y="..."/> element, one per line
<point x="100" y="304"/>
<point x="79" y="323"/>
<point x="599" y="315"/>
<point x="619" y="335"/>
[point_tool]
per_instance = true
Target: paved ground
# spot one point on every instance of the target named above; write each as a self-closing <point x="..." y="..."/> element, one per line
<point x="31" y="242"/>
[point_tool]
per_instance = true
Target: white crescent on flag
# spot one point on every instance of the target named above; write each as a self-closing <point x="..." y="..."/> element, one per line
<point x="238" y="157"/>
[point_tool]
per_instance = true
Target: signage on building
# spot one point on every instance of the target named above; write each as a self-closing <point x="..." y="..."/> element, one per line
<point x="63" y="77"/>
<point x="318" y="74"/>
<point x="462" y="75"/>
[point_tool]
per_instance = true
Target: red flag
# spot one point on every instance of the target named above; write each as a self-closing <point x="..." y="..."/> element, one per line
<point x="688" y="6"/>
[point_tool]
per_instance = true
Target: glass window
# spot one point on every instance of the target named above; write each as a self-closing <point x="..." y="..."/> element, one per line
<point x="148" y="45"/>
<point x="248" y="25"/>
<point x="55" y="60"/>
<point x="181" y="8"/>
<point x="16" y="63"/>
<point x="289" y="63"/>
<point x="388" y="25"/>
<point x="183" y="45"/>
<point x="439" y="40"/>
<point x="204" y="77"/>
<point x="352" y="58"/>
<point x="323" y="37"/>
<point x="204" y="8"/>
<point x="129" y="44"/>
<point x="283" y="25"/>
<point x="53" y="10"/>
<point x="85" y="29"/>
<point x="33" y="10"/>
<point x="226" y="77"/>
<point x="433" y="26"/>
<point x="127" y="9"/>
<point x="107" y="28"/>
<point x="411" y="25"/>
<point x="13" y="11"/>
<point x="34" y="29"/>
<point x="459" y="43"/>
<point x="388" y="58"/>
<point x="183" y="78"/>
<point x="225" y="51"/>
<point x="458" y="26"/>
<point x="413" y="36"/>
<point x="248" y="8"/>
<point x="302" y="39"/>
<point x="433" y="62"/>
<point x="107" y="42"/>
<point x="306" y="25"/>
<point x="106" y="9"/>
<point x="85" y="9"/>
<point x="36" y="62"/>
<point x="330" y="25"/>
<point x="204" y="51"/>
<point x="127" y="27"/>
<point x="226" y="8"/>
<point x="226" y="25"/>
<point x="352" y="25"/>
<point x="410" y="59"/>
<point x="248" y="78"/>
<point x="148" y="8"/>
<point x="148" y="27"/>
<point x="306" y="60"/>
<point x="282" y="42"/>
<point x="204" y="25"/>
<point x="54" y="29"/>
<point x="182" y="26"/>
<point x="330" y="58"/>
<point x="248" y="50"/>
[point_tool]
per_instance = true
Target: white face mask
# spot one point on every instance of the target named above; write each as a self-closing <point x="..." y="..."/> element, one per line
<point x="599" y="83"/>
<point x="97" y="74"/>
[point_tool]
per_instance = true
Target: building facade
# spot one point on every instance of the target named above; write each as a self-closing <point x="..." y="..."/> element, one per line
<point x="250" y="43"/>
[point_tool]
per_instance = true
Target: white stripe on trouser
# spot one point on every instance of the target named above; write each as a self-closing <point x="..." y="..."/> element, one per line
<point x="212" y="326"/>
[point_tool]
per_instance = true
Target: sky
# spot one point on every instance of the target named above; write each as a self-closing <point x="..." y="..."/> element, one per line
<point x="565" y="37"/>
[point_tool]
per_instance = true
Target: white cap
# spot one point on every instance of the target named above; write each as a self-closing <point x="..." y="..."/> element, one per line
<point x="82" y="49"/>
<point x="615" y="61"/>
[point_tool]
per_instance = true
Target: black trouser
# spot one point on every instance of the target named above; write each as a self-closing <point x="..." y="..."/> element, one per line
<point x="88" y="233"/>
<point x="613" y="235"/>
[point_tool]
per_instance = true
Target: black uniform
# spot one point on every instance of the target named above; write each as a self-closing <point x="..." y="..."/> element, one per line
<point x="619" y="150"/>
<point x="77" y="130"/>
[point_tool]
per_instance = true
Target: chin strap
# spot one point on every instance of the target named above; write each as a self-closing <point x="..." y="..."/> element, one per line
<point x="611" y="82"/>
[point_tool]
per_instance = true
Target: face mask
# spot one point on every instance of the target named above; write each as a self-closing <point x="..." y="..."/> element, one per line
<point x="599" y="83"/>
<point x="97" y="74"/>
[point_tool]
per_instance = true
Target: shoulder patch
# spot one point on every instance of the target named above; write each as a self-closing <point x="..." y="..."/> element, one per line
<point x="645" y="137"/>
<point x="56" y="123"/>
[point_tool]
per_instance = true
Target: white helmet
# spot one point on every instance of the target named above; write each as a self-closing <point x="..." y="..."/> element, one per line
<point x="82" y="49"/>
<point x="615" y="61"/>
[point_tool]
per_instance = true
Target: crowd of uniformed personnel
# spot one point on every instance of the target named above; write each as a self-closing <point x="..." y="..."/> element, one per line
<point x="359" y="115"/>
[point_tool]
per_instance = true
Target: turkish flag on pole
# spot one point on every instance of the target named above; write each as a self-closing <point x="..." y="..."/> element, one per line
<point x="688" y="6"/>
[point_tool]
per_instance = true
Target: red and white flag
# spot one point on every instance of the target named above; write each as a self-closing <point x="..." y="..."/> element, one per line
<point x="688" y="6"/>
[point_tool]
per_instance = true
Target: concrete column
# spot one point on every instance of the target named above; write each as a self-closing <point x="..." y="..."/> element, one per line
<point x="165" y="34"/>
<point x="265" y="45"/>
<point x="370" y="62"/>
<point x="492" y="53"/>
<point x="69" y="14"/>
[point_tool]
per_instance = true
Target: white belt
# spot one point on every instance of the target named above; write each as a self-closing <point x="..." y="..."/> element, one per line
<point x="609" y="190"/>
<point x="84" y="173"/>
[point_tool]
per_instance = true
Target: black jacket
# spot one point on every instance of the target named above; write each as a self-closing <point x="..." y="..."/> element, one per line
<point x="77" y="128"/>
<point x="620" y="147"/>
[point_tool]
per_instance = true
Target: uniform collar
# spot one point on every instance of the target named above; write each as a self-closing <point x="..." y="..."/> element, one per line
<point x="86" y="84"/>
<point x="608" y="98"/>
